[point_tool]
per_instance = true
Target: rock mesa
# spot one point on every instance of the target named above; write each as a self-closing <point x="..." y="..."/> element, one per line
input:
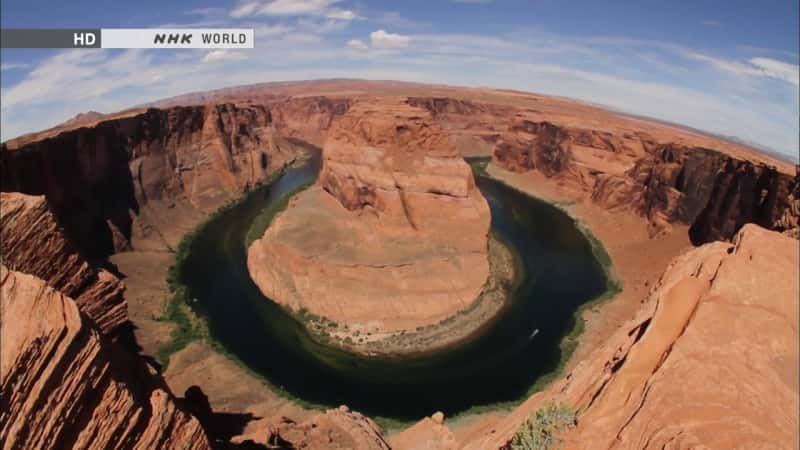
<point x="393" y="235"/>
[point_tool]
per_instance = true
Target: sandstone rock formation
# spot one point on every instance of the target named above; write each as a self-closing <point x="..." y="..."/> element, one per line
<point x="307" y="118"/>
<point x="714" y="193"/>
<point x="429" y="433"/>
<point x="32" y="242"/>
<point x="98" y="179"/>
<point x="335" y="429"/>
<point x="64" y="386"/>
<point x="474" y="126"/>
<point x="710" y="361"/>
<point x="666" y="182"/>
<point x="393" y="236"/>
<point x="534" y="145"/>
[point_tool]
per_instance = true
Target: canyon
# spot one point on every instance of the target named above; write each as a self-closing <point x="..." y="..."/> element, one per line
<point x="94" y="210"/>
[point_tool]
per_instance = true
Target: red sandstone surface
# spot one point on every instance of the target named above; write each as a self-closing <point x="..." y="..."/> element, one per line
<point x="65" y="386"/>
<point x="34" y="243"/>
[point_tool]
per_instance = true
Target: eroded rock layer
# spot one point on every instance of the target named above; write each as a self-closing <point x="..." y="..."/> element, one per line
<point x="534" y="145"/>
<point x="334" y="429"/>
<point x="392" y="237"/>
<point x="666" y="182"/>
<point x="97" y="179"/>
<point x="34" y="243"/>
<point x="710" y="361"/>
<point x="64" y="386"/>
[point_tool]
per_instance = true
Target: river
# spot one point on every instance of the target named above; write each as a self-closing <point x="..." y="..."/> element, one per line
<point x="557" y="273"/>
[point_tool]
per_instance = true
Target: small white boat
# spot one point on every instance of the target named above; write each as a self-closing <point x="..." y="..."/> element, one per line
<point x="535" y="332"/>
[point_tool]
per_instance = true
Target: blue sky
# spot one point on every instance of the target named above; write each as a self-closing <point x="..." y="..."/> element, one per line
<point x="729" y="67"/>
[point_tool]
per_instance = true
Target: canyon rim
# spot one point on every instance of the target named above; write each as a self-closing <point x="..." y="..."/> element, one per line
<point x="702" y="233"/>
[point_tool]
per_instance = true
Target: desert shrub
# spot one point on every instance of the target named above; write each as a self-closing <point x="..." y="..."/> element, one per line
<point x="184" y="331"/>
<point x="539" y="432"/>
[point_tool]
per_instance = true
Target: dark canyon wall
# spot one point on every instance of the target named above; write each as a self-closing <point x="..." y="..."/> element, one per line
<point x="97" y="178"/>
<point x="714" y="193"/>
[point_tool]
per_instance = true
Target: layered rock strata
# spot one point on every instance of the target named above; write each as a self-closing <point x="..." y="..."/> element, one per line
<point x="64" y="386"/>
<point x="34" y="243"/>
<point x="392" y="237"/>
<point x="534" y="145"/>
<point x="716" y="194"/>
<point x="98" y="179"/>
<point x="710" y="360"/>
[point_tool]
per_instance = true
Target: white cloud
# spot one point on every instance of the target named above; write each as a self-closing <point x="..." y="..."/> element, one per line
<point x="357" y="44"/>
<point x="206" y="12"/>
<point x="245" y="9"/>
<point x="755" y="67"/>
<point x="216" y="56"/>
<point x="13" y="66"/>
<point x="318" y="25"/>
<point x="382" y="39"/>
<point x="342" y="14"/>
<point x="710" y="23"/>
<point x="734" y="67"/>
<point x="283" y="8"/>
<point x="778" y="69"/>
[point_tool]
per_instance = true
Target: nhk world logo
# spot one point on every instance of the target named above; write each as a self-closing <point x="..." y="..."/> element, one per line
<point x="175" y="38"/>
<point x="206" y="38"/>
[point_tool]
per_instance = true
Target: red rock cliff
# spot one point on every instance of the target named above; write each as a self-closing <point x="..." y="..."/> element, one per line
<point x="34" y="243"/>
<point x="710" y="360"/>
<point x="64" y="386"/>
<point x="713" y="192"/>
<point x="97" y="179"/>
<point x="716" y="194"/>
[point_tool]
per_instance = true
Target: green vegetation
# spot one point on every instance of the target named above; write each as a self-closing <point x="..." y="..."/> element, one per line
<point x="188" y="326"/>
<point x="540" y="431"/>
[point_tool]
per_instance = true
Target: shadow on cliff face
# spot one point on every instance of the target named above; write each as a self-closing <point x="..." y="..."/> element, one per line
<point x="712" y="192"/>
<point x="87" y="181"/>
<point x="125" y="336"/>
<point x="742" y="193"/>
<point x="219" y="426"/>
